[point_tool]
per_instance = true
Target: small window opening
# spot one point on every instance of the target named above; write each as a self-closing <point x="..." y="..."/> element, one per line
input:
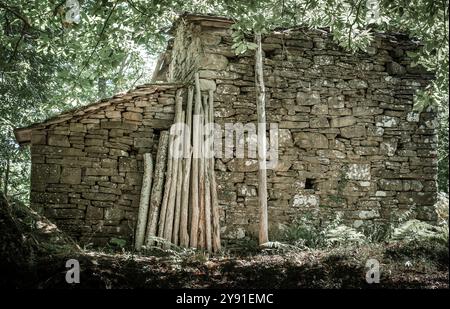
<point x="309" y="183"/>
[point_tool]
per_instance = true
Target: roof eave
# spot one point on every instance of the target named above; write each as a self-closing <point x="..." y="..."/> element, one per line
<point x="23" y="135"/>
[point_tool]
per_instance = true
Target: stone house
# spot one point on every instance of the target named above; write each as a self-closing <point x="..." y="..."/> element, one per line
<point x="349" y="140"/>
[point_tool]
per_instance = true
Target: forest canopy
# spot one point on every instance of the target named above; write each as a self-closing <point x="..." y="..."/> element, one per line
<point x="59" y="54"/>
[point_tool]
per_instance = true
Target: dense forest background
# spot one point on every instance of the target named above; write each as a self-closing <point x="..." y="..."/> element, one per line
<point x="60" y="54"/>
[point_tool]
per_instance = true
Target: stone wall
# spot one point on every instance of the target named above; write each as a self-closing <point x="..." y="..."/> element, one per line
<point x="349" y="142"/>
<point x="87" y="171"/>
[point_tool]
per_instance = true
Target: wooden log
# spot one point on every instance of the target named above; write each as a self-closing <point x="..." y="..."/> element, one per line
<point x="187" y="161"/>
<point x="195" y="164"/>
<point x="162" y="215"/>
<point x="201" y="187"/>
<point x="206" y="155"/>
<point x="168" y="183"/>
<point x="261" y="115"/>
<point x="144" y="202"/>
<point x="168" y="226"/>
<point x="212" y="177"/>
<point x="156" y="194"/>
<point x="179" y="184"/>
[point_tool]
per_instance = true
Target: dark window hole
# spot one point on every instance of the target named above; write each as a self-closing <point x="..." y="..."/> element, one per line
<point x="309" y="183"/>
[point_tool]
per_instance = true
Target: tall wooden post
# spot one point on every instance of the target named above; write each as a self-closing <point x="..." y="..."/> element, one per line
<point x="156" y="195"/>
<point x="187" y="149"/>
<point x="170" y="212"/>
<point x="195" y="164"/>
<point x="212" y="177"/>
<point x="144" y="201"/>
<point x="261" y="113"/>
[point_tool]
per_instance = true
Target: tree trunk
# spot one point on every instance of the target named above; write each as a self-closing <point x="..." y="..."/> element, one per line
<point x="261" y="114"/>
<point x="144" y="201"/>
<point x="101" y="83"/>
<point x="6" y="179"/>
<point x="156" y="195"/>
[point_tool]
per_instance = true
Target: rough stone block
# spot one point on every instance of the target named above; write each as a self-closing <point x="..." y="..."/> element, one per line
<point x="99" y="196"/>
<point x="319" y="109"/>
<point x="38" y="138"/>
<point x="49" y="197"/>
<point x="132" y="116"/>
<point x="343" y="122"/>
<point x="61" y="213"/>
<point x="243" y="165"/>
<point x="45" y="173"/>
<point x="77" y="127"/>
<point x="358" y="171"/>
<point x="386" y="121"/>
<point x="353" y="131"/>
<point x="100" y="171"/>
<point x="246" y="190"/>
<point x="94" y="213"/>
<point x="319" y="122"/>
<point x="305" y="200"/>
<point x="228" y="89"/>
<point x="58" y="140"/>
<point x="388" y="147"/>
<point x="113" y="114"/>
<point x="390" y="185"/>
<point x="213" y="62"/>
<point x="308" y="98"/>
<point x="323" y="60"/>
<point x="71" y="175"/>
<point x="310" y="140"/>
<point x="127" y="164"/>
<point x="207" y="84"/>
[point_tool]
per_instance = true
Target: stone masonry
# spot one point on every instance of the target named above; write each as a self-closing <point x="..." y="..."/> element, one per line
<point x="349" y="140"/>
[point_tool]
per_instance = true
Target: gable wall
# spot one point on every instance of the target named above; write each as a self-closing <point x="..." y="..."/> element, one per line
<point x="346" y="126"/>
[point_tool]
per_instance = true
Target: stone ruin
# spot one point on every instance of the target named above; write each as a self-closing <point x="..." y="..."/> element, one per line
<point x="349" y="143"/>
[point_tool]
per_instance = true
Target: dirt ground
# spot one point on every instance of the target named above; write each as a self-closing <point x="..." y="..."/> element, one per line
<point x="34" y="253"/>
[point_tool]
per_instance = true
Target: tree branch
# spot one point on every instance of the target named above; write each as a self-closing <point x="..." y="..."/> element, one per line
<point x="15" y="13"/>
<point x="105" y="24"/>
<point x="353" y="23"/>
<point x="16" y="46"/>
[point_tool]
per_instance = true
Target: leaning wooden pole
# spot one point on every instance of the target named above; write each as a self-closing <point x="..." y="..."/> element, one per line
<point x="156" y="195"/>
<point x="201" y="186"/>
<point x="144" y="202"/>
<point x="206" y="156"/>
<point x="261" y="114"/>
<point x="168" y="183"/>
<point x="187" y="160"/>
<point x="177" y="213"/>
<point x="212" y="177"/>
<point x="195" y="164"/>
<point x="168" y="226"/>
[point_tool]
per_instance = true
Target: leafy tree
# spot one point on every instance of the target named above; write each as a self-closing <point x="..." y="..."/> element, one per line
<point x="56" y="55"/>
